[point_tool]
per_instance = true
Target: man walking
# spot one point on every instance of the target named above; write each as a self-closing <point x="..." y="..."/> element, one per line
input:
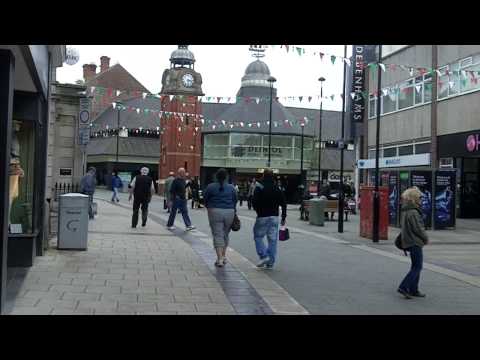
<point x="87" y="187"/>
<point x="166" y="190"/>
<point x="142" y="189"/>
<point x="251" y="190"/>
<point x="267" y="198"/>
<point x="179" y="201"/>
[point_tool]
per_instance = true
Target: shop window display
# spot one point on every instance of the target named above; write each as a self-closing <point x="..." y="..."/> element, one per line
<point x="21" y="178"/>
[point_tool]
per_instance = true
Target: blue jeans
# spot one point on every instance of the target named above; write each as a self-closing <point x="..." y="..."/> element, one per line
<point x="266" y="226"/>
<point x="179" y="204"/>
<point x="410" y="282"/>
<point x="115" y="194"/>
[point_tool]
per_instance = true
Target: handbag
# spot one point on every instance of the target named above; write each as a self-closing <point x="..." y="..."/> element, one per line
<point x="283" y="234"/>
<point x="398" y="244"/>
<point x="236" y="223"/>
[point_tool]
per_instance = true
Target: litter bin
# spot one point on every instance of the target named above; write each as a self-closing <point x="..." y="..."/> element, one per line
<point x="72" y="222"/>
<point x="317" y="212"/>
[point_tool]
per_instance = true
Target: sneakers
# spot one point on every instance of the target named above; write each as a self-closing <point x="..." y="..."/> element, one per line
<point x="171" y="227"/>
<point x="191" y="227"/>
<point x="418" y="294"/>
<point x="144" y="224"/>
<point x="263" y="262"/>
<point x="269" y="266"/>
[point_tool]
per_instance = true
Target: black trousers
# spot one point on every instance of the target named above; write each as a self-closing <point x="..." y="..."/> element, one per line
<point x="137" y="203"/>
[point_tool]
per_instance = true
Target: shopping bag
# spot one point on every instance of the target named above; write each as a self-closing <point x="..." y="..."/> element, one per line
<point x="283" y="234"/>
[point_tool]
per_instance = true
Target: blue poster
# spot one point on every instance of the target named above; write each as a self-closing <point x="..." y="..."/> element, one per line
<point x="444" y="213"/>
<point x="423" y="180"/>
<point x="393" y="198"/>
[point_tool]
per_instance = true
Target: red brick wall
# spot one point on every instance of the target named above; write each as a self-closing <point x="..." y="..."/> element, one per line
<point x="180" y="146"/>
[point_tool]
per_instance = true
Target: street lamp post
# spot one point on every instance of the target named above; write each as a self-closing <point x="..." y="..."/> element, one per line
<point x="271" y="80"/>
<point x="118" y="134"/>
<point x="302" y="179"/>
<point x="321" y="79"/>
<point x="341" y="197"/>
<point x="376" y="195"/>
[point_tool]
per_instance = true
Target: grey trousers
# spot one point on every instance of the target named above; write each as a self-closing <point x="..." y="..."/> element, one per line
<point x="220" y="223"/>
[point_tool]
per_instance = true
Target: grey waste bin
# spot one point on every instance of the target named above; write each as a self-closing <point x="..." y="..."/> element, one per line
<point x="73" y="222"/>
<point x="317" y="212"/>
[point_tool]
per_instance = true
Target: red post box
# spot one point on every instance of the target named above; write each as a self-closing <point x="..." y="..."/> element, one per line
<point x="366" y="212"/>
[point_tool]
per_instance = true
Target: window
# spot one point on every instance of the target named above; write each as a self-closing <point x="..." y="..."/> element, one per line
<point x="422" y="148"/>
<point x="246" y="139"/>
<point x="418" y="90"/>
<point x="216" y="139"/>
<point x="442" y="87"/>
<point x="371" y="154"/>
<point x="389" y="102"/>
<point x="405" y="150"/>
<point x="372" y="106"/>
<point x="427" y="88"/>
<point x="21" y="177"/>
<point x="453" y="79"/>
<point x="390" y="152"/>
<point x="405" y="96"/>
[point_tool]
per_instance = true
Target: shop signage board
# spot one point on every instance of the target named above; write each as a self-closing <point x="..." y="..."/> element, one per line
<point x="393" y="198"/>
<point x="334" y="176"/>
<point x="84" y="121"/>
<point x="398" y="161"/>
<point x="444" y="206"/>
<point x="423" y="180"/>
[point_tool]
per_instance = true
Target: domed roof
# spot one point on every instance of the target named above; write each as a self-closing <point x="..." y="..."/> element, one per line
<point x="257" y="67"/>
<point x="256" y="74"/>
<point x="182" y="56"/>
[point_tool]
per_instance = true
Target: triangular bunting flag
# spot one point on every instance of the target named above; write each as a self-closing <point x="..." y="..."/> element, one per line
<point x="411" y="71"/>
<point x="352" y="95"/>
<point x="332" y="59"/>
<point x="118" y="92"/>
<point x="299" y="50"/>
<point x="257" y="100"/>
<point x="347" y="61"/>
<point x="321" y="56"/>
<point x="384" y="92"/>
<point x="438" y="72"/>
<point x="300" y="98"/>
<point x="418" y="88"/>
<point x="138" y="111"/>
<point x="332" y="97"/>
<point x="144" y="95"/>
<point x="309" y="98"/>
<point x="451" y="84"/>
<point x="218" y="99"/>
<point x="382" y="66"/>
<point x="114" y="105"/>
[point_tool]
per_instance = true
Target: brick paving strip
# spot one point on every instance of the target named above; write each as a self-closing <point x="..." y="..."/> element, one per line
<point x="139" y="271"/>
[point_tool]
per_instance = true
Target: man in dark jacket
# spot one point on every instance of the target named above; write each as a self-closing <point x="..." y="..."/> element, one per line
<point x="87" y="187"/>
<point x="267" y="198"/>
<point x="413" y="237"/>
<point x="179" y="201"/>
<point x="142" y="189"/>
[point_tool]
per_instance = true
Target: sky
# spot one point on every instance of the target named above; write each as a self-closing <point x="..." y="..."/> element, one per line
<point x="222" y="67"/>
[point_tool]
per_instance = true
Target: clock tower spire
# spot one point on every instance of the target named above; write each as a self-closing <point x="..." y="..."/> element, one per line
<point x="180" y="138"/>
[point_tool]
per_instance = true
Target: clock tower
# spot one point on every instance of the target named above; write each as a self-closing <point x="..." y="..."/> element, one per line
<point x="180" y="138"/>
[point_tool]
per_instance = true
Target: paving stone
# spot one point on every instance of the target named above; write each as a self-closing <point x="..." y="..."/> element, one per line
<point x="97" y="305"/>
<point x="80" y="296"/>
<point x="243" y="299"/>
<point x="55" y="281"/>
<point x="139" y="290"/>
<point x="103" y="289"/>
<point x="156" y="313"/>
<point x="219" y="299"/>
<point x="139" y="277"/>
<point x="42" y="294"/>
<point x="71" y="312"/>
<point x="206" y="290"/>
<point x="126" y="283"/>
<point x="26" y="302"/>
<point x="214" y="308"/>
<point x="125" y="298"/>
<point x="137" y="307"/>
<point x="123" y="271"/>
<point x="26" y="310"/>
<point x="154" y="298"/>
<point x="193" y="299"/>
<point x="91" y="270"/>
<point x="74" y="275"/>
<point x="58" y="304"/>
<point x="176" y="307"/>
<point x="40" y="287"/>
<point x="89" y="282"/>
<point x="68" y="288"/>
<point x="108" y="276"/>
<point x="173" y="291"/>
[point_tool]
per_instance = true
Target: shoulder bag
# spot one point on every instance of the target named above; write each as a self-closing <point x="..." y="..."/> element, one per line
<point x="236" y="223"/>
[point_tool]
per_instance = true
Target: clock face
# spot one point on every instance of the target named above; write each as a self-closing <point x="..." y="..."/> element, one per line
<point x="187" y="80"/>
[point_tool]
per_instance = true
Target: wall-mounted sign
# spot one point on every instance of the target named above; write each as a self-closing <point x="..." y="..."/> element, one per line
<point x="459" y="145"/>
<point x="65" y="171"/>
<point x="473" y="142"/>
<point x="255" y="151"/>
<point x="84" y="112"/>
<point x="72" y="56"/>
<point x="398" y="161"/>
<point x="334" y="176"/>
<point x="83" y="136"/>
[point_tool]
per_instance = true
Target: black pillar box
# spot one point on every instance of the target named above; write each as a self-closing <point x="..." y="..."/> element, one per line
<point x="393" y="198"/>
<point x="444" y="209"/>
<point x="423" y="180"/>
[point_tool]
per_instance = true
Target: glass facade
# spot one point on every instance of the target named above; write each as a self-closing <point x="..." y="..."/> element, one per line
<point x="255" y="146"/>
<point x="21" y="177"/>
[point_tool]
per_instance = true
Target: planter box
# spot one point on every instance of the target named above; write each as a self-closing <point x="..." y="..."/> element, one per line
<point x="21" y="250"/>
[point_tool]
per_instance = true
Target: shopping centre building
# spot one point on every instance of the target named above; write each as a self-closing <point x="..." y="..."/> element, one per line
<point x="429" y="119"/>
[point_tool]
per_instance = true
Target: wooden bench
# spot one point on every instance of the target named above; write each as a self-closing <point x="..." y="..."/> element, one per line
<point x="330" y="207"/>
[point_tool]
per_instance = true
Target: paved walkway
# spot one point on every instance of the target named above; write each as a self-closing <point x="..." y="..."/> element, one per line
<point x="143" y="271"/>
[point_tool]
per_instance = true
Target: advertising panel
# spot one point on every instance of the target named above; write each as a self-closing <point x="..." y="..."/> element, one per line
<point x="444" y="210"/>
<point x="393" y="198"/>
<point x="423" y="180"/>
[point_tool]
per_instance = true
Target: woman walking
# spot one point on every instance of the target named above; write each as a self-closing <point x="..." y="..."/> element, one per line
<point x="220" y="200"/>
<point x="413" y="238"/>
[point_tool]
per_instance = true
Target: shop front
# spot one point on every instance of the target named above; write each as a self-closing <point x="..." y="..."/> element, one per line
<point x="25" y="74"/>
<point x="462" y="151"/>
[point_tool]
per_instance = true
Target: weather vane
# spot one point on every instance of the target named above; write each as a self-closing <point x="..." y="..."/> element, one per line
<point x="258" y="51"/>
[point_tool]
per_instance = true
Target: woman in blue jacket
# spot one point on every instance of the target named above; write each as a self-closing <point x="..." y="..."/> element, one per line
<point x="116" y="184"/>
<point x="220" y="200"/>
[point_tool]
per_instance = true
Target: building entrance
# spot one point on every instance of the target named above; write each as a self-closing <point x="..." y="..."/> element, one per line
<point x="470" y="188"/>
